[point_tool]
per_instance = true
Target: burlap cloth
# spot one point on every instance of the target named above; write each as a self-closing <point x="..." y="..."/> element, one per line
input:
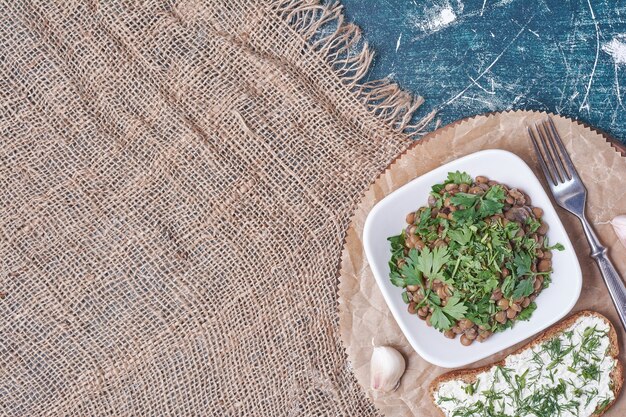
<point x="364" y="316"/>
<point x="175" y="182"/>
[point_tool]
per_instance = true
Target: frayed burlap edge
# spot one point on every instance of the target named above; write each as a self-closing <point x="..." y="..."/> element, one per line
<point x="385" y="108"/>
<point x="324" y="29"/>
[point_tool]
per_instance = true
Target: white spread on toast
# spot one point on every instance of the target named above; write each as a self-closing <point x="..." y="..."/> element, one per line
<point x="566" y="375"/>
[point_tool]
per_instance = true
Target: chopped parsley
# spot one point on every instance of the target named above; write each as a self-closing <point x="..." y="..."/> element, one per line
<point x="478" y="247"/>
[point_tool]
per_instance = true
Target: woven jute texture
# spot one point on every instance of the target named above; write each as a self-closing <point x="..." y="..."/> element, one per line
<point x="175" y="183"/>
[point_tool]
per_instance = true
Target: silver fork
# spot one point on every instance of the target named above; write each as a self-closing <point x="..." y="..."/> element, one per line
<point x="570" y="193"/>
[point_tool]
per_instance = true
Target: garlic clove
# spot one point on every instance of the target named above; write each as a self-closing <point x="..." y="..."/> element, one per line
<point x="619" y="225"/>
<point x="386" y="368"/>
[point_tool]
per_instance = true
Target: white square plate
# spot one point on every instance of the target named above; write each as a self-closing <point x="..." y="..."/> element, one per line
<point x="387" y="218"/>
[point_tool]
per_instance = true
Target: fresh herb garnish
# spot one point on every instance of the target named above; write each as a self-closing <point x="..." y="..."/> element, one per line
<point x="405" y="298"/>
<point x="475" y="207"/>
<point x="453" y="308"/>
<point x="591" y="371"/>
<point x="557" y="246"/>
<point x="430" y="263"/>
<point x="458" y="178"/>
<point x="523" y="288"/>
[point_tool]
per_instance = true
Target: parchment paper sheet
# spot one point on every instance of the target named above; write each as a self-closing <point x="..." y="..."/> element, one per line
<point x="363" y="314"/>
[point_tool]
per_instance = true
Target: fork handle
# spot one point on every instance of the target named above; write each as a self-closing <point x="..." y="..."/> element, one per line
<point x="614" y="283"/>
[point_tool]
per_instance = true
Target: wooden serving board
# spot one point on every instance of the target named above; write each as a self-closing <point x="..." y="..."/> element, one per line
<point x="363" y="315"/>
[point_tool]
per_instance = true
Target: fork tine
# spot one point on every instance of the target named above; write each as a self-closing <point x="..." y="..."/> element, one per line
<point x="549" y="160"/>
<point x="565" y="155"/>
<point x="559" y="160"/>
<point x="542" y="163"/>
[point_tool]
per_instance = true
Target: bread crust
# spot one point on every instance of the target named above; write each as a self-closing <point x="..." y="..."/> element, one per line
<point x="469" y="375"/>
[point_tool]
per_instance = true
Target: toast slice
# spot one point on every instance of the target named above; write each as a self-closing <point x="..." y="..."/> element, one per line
<point x="570" y="327"/>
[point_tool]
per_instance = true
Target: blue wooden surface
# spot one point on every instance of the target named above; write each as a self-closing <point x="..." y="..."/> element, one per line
<point x="472" y="56"/>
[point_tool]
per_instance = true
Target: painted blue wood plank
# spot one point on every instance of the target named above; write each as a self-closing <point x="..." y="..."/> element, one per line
<point x="473" y="56"/>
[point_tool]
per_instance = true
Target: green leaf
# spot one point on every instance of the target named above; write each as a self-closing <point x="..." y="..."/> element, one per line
<point x="522" y="263"/>
<point x="462" y="236"/>
<point x="523" y="288"/>
<point x="490" y="285"/>
<point x="405" y="298"/>
<point x="459" y="178"/>
<point x="495" y="193"/>
<point x="430" y="262"/>
<point x="464" y="199"/>
<point x="533" y="224"/>
<point x="489" y="208"/>
<point x="455" y="308"/>
<point x="479" y="311"/>
<point x="413" y="258"/>
<point x="397" y="245"/>
<point x="529" y="244"/>
<point x="397" y="280"/>
<point x="434" y="298"/>
<point x="497" y="241"/>
<point x="497" y="327"/>
<point x="507" y="286"/>
<point x="436" y="188"/>
<point x="439" y="320"/>
<point x="397" y="240"/>
<point x="547" y="280"/>
<point x="490" y="203"/>
<point x="527" y="312"/>
<point x="511" y="229"/>
<point x="558" y="247"/>
<point x="412" y="275"/>
<point x="464" y="216"/>
<point x="425" y="218"/>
